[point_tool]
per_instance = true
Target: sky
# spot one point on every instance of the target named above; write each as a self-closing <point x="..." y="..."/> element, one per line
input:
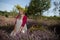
<point x="51" y="12"/>
<point x="9" y="4"/>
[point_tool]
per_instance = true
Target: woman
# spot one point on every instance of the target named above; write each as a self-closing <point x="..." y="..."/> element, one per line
<point x="20" y="24"/>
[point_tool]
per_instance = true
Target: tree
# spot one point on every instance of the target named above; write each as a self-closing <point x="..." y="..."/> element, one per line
<point x="13" y="12"/>
<point x="4" y="13"/>
<point x="38" y="6"/>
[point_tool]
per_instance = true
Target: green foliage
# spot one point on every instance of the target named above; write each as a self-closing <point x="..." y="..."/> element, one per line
<point x="51" y="17"/>
<point x="7" y="14"/>
<point x="37" y="28"/>
<point x="13" y="12"/>
<point x="37" y="6"/>
<point x="4" y="13"/>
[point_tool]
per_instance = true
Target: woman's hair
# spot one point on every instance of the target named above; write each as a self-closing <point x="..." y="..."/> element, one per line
<point x="26" y="14"/>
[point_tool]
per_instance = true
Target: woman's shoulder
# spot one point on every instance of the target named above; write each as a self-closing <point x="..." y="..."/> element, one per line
<point x="25" y="17"/>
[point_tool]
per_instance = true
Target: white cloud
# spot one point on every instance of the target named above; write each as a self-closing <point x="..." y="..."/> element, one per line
<point x="51" y="12"/>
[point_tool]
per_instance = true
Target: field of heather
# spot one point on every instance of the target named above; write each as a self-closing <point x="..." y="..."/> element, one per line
<point x="40" y="29"/>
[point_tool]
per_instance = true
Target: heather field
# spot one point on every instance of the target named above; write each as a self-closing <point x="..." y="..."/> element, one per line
<point x="38" y="29"/>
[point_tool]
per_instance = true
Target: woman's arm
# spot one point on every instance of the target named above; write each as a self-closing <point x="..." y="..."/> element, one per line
<point x="16" y="19"/>
<point x="24" y="21"/>
<point x="15" y="23"/>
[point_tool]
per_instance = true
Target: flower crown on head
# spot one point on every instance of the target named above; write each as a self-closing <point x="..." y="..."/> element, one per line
<point x="18" y="7"/>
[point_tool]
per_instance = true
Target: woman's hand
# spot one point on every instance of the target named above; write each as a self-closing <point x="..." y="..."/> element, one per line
<point x="21" y="28"/>
<point x="14" y="29"/>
